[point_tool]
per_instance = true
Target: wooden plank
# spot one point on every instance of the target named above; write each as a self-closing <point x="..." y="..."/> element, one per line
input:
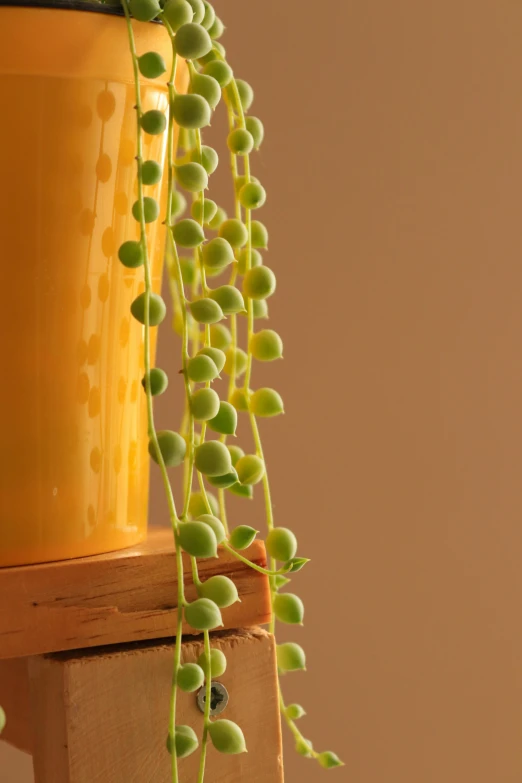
<point x="119" y="597"/>
<point x="15" y="700"/>
<point x="116" y="707"/>
<point x="51" y="714"/>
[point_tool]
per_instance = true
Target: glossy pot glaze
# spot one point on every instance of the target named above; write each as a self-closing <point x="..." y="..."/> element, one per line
<point x="74" y="468"/>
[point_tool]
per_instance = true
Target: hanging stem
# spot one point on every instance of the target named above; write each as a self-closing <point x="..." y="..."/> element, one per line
<point x="208" y="700"/>
<point x="251" y="563"/>
<point x="175" y="272"/>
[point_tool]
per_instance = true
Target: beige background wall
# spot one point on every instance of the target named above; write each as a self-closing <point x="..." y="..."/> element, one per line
<point x="393" y="163"/>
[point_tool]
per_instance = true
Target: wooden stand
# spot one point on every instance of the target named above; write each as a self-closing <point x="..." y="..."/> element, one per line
<point x="99" y="714"/>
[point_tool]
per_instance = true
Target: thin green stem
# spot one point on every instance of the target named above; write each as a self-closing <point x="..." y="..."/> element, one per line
<point x="294" y="729"/>
<point x="255" y="566"/>
<point x="208" y="700"/>
<point x="195" y="574"/>
<point x="202" y="487"/>
<point x="208" y="683"/>
<point x="177" y="661"/>
<point x="223" y="506"/>
<point x="175" y="277"/>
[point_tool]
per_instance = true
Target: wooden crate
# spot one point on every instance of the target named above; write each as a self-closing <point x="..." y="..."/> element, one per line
<point x="86" y="653"/>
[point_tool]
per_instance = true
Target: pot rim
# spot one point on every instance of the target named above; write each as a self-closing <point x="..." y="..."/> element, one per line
<point x="67" y="5"/>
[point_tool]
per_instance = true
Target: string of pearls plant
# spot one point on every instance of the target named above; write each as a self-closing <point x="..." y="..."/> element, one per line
<point x="209" y="347"/>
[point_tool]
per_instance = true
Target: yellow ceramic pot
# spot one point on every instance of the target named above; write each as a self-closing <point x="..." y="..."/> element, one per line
<point x="73" y="435"/>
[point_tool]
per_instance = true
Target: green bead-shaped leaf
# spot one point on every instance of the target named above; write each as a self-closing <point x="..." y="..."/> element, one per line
<point x="150" y="210"/>
<point x="242" y="537"/>
<point x="131" y="254"/>
<point x="185" y="740"/>
<point x="236" y="452"/>
<point x="204" y="404"/>
<point x="240" y="141"/>
<point x="304" y="748"/>
<point x="242" y="490"/>
<point x="290" y="657"/>
<point x="151" y="172"/>
<point x="219" y="589"/>
<point x="198" y="539"/>
<point x="191" y="111"/>
<point x="172" y="448"/>
<point x="259" y="235"/>
<point x="217" y="254"/>
<point x="225" y="481"/>
<point x="288" y="608"/>
<point x="153" y="122"/>
<point x="220" y="71"/>
<point x="213" y="459"/>
<point x="158" y="381"/>
<point x="256" y="129"/>
<point x="229" y="298"/>
<point x="206" y="311"/>
<point x="178" y="205"/>
<point x="295" y="564"/>
<point x="281" y="543"/>
<point x="206" y="213"/>
<point x="190" y="677"/>
<point x="237" y="362"/>
<point x="266" y="403"/>
<point x="198" y="9"/>
<point x="252" y="195"/>
<point x="177" y="13"/>
<point x="246" y="95"/>
<point x="234" y="231"/>
<point x="217" y="29"/>
<point x="206" y="86"/>
<point x="239" y="400"/>
<point x="215" y="524"/>
<point x="266" y="345"/>
<point x="203" y="615"/>
<point x="188" y="271"/>
<point x="250" y="469"/>
<point x="227" y="737"/>
<point x="259" y="283"/>
<point x="225" y="421"/>
<point x="209" y="159"/>
<point x="188" y="233"/>
<point x="220" y="337"/>
<point x="210" y="16"/>
<point x="295" y="711"/>
<point x="192" y="41"/>
<point x="191" y="176"/>
<point x="218" y="662"/>
<point x="216" y="354"/>
<point x="329" y="760"/>
<point x="152" y="65"/>
<point x="201" y="369"/>
<point x="157" y="309"/>
<point x="144" y="10"/>
<point x="256" y="259"/>
<point x="197" y="505"/>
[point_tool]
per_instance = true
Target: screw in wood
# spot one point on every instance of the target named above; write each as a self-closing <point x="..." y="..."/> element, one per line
<point x="218" y="698"/>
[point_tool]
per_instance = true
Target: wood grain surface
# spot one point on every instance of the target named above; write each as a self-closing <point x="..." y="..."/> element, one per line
<point x="102" y="716"/>
<point x="123" y="596"/>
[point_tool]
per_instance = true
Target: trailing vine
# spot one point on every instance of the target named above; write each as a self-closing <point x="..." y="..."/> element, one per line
<point x="208" y="348"/>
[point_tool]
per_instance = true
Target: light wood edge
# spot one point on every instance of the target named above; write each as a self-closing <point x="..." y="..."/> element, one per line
<point x="119" y="597"/>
